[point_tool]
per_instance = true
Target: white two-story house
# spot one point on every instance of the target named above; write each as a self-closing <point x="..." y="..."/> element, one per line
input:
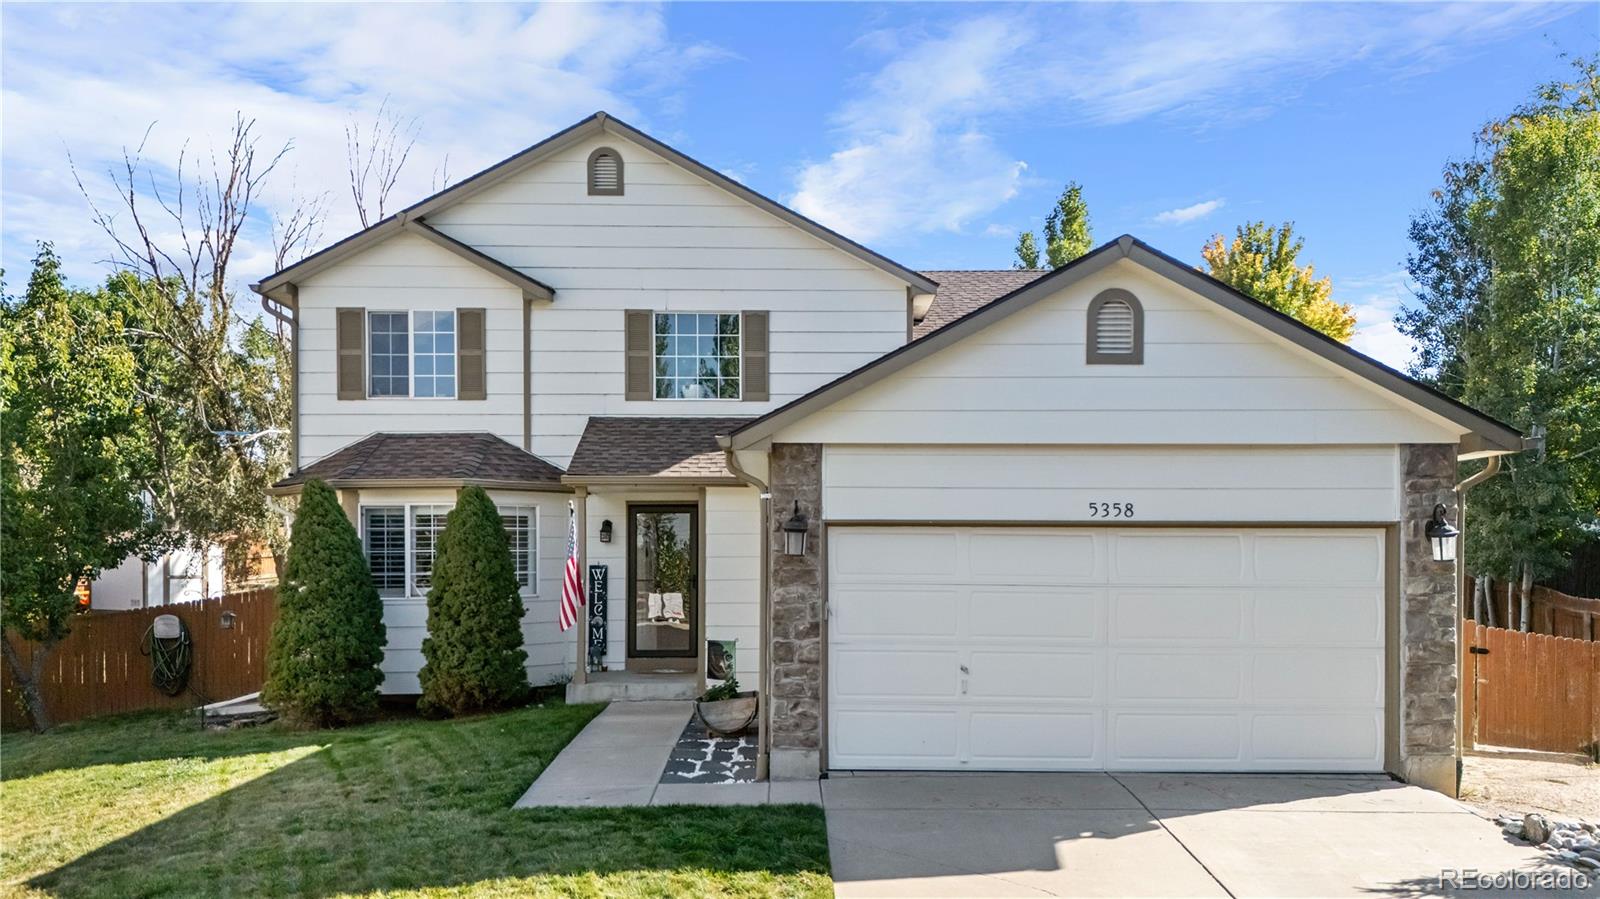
<point x="1113" y="516"/>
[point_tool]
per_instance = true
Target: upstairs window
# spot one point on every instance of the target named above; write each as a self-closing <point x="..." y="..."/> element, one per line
<point x="412" y="354"/>
<point x="697" y="356"/>
<point x="1116" y="329"/>
<point x="605" y="173"/>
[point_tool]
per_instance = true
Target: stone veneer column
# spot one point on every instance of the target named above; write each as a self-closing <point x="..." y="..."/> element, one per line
<point x="1428" y="623"/>
<point x="797" y="581"/>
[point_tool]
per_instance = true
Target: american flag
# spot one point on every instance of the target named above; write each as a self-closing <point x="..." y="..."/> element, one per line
<point x="571" y="584"/>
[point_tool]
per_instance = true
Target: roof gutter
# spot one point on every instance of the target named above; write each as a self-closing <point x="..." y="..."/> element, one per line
<point x="764" y="730"/>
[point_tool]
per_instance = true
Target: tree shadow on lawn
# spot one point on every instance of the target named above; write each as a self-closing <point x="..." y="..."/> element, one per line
<point x="429" y="806"/>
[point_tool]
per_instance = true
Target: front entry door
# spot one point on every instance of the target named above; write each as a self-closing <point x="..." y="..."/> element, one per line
<point x="664" y="587"/>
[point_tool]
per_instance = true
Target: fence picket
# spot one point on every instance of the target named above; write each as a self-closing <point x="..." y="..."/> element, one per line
<point x="1534" y="691"/>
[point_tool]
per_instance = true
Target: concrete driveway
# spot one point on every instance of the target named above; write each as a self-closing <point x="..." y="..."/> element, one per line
<point x="1158" y="835"/>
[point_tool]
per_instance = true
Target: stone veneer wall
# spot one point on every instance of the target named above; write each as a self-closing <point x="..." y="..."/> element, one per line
<point x="1428" y="623"/>
<point x="795" y="702"/>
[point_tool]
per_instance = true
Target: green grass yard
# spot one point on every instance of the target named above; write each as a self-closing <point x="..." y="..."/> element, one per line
<point x="151" y="806"/>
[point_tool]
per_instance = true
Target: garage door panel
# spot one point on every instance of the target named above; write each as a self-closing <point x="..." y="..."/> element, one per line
<point x="1177" y="614"/>
<point x="1319" y="558"/>
<point x="1033" y="739"/>
<point x="1150" y="649"/>
<point x="1177" y="557"/>
<point x="1060" y="613"/>
<point x="884" y="674"/>
<point x="1011" y="674"/>
<point x="1312" y="740"/>
<point x="1318" y="617"/>
<point x="1318" y="676"/>
<point x="1179" y="675"/>
<point x="1143" y="739"/>
<point x="1005" y="556"/>
<point x="904" y="739"/>
<point x="882" y="554"/>
<point x="888" y="612"/>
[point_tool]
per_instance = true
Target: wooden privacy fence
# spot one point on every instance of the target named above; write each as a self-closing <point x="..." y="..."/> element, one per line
<point x="1529" y="691"/>
<point x="1553" y="612"/>
<point x="99" y="668"/>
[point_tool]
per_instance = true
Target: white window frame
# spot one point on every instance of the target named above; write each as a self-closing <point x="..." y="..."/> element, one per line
<point x="411" y="353"/>
<point x="410" y="591"/>
<point x="654" y="358"/>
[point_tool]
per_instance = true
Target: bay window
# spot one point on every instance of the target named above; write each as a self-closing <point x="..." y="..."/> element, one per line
<point x="401" y="542"/>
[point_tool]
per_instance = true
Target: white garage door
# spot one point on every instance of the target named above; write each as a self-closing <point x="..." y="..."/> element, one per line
<point x="1126" y="649"/>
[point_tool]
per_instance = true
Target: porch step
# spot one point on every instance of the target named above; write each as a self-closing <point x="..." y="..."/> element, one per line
<point x="633" y="686"/>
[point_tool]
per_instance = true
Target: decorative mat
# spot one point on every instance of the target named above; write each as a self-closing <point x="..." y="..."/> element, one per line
<point x="703" y="759"/>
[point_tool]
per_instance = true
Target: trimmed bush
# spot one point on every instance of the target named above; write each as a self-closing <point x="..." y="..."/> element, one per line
<point x="473" y="655"/>
<point x="323" y="657"/>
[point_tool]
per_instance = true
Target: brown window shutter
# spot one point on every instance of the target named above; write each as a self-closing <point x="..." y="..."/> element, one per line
<point x="351" y="338"/>
<point x="470" y="375"/>
<point x="753" y="365"/>
<point x="639" y="340"/>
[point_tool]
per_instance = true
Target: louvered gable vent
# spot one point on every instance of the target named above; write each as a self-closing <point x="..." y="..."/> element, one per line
<point x="605" y="173"/>
<point x="1116" y="329"/>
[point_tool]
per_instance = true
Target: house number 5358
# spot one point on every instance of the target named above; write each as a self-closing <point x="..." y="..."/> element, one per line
<point x="1111" y="510"/>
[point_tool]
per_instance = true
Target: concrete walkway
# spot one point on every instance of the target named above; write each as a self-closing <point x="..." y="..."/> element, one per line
<point x="618" y="759"/>
<point x="1158" y="835"/>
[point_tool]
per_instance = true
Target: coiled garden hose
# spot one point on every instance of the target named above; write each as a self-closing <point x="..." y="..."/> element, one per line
<point x="171" y="655"/>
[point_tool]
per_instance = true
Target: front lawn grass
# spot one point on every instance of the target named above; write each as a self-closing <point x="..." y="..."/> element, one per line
<point x="152" y="806"/>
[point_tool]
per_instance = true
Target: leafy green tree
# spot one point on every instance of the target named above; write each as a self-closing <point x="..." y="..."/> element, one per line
<point x="1508" y="316"/>
<point x="473" y="655"/>
<point x="1261" y="262"/>
<point x="74" y="455"/>
<point x="1027" y="252"/>
<point x="1066" y="228"/>
<point x="327" y="644"/>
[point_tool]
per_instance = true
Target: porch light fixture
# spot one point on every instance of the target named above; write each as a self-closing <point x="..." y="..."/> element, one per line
<point x="794" y="533"/>
<point x="1442" y="535"/>
<point x="605" y="531"/>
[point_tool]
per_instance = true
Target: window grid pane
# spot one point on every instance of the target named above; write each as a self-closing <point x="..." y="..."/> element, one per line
<point x="697" y="355"/>
<point x="434" y="351"/>
<point x="384" y="537"/>
<point x="389" y="363"/>
<point x="427" y="523"/>
<point x="520" y="528"/>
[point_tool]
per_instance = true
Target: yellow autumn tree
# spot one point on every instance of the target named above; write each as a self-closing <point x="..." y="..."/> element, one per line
<point x="1260" y="262"/>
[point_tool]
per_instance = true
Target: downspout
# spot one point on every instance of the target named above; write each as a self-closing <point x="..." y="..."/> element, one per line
<point x="289" y="314"/>
<point x="1488" y="471"/>
<point x="764" y="735"/>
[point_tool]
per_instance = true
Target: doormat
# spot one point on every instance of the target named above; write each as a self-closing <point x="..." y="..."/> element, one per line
<point x="703" y="759"/>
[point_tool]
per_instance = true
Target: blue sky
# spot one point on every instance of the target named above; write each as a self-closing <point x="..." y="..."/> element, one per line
<point x="933" y="132"/>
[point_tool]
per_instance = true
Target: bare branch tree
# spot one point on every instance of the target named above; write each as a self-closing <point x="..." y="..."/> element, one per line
<point x="376" y="156"/>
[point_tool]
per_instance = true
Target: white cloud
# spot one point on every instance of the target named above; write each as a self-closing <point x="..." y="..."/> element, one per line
<point x="918" y="149"/>
<point x="483" y="81"/>
<point x="1376" y="300"/>
<point x="1186" y="214"/>
<point x="913" y="158"/>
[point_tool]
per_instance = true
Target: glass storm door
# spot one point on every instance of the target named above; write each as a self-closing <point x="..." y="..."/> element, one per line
<point x="663" y="582"/>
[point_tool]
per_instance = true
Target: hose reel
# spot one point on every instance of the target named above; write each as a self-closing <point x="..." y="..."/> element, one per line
<point x="171" y="652"/>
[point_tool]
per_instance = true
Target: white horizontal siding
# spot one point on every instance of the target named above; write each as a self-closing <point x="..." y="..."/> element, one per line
<point x="550" y="653"/>
<point x="671" y="242"/>
<point x="733" y="576"/>
<point x="405" y="273"/>
<point x="1209" y="377"/>
<point x="1163" y="484"/>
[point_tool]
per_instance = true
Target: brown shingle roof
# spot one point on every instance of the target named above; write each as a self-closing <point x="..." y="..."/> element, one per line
<point x="651" y="448"/>
<point x="465" y="457"/>
<point x="961" y="292"/>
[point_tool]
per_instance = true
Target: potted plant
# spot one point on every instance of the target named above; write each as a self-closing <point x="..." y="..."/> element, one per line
<point x="726" y="711"/>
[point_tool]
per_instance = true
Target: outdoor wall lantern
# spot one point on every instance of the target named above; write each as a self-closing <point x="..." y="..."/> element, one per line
<point x="228" y="618"/>
<point x="794" y="533"/>
<point x="1442" y="535"/>
<point x="605" y="531"/>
